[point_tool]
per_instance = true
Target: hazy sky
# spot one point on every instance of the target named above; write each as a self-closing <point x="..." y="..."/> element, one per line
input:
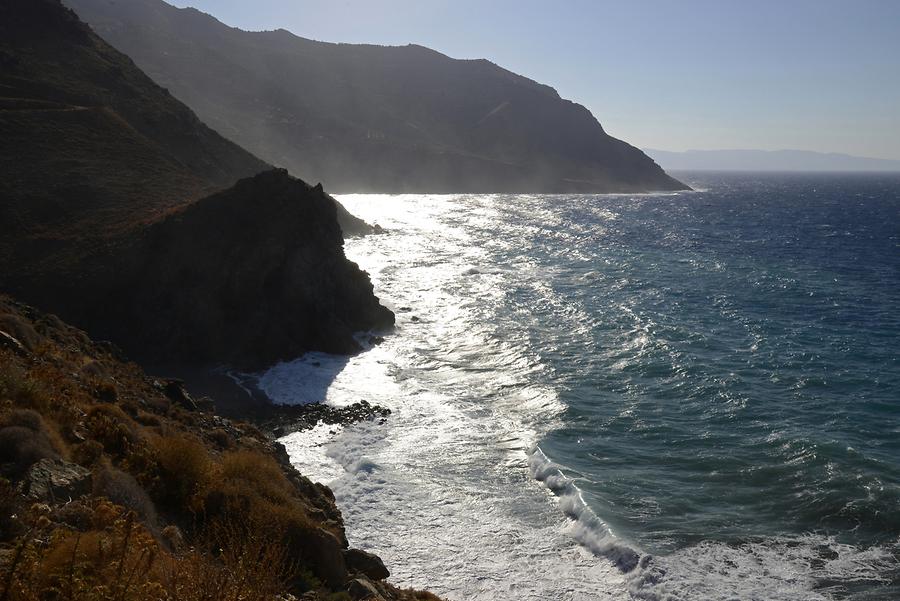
<point x="810" y="74"/>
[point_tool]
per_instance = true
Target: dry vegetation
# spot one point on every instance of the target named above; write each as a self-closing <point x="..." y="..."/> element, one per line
<point x="182" y="505"/>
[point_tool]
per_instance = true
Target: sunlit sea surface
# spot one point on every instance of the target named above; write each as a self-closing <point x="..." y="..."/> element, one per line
<point x="689" y="396"/>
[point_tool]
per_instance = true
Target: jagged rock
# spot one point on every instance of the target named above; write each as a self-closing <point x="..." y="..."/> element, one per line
<point x="12" y="343"/>
<point x="55" y="480"/>
<point x="362" y="588"/>
<point x="366" y="563"/>
<point x="174" y="389"/>
<point x="324" y="552"/>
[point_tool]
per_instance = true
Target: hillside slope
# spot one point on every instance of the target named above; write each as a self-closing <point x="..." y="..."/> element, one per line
<point x="114" y="485"/>
<point x="90" y="145"/>
<point x="374" y="119"/>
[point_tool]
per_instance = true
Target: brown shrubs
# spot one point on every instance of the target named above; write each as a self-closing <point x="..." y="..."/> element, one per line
<point x="251" y="486"/>
<point x="25" y="439"/>
<point x="111" y="427"/>
<point x="183" y="467"/>
<point x="117" y="559"/>
<point x="21" y="390"/>
<point x="122" y="489"/>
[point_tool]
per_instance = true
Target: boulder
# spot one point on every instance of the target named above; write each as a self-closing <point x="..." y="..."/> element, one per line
<point x="365" y="563"/>
<point x="362" y="588"/>
<point x="323" y="552"/>
<point x="55" y="480"/>
<point x="176" y="392"/>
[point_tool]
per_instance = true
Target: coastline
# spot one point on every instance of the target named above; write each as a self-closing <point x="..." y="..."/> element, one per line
<point x="237" y="395"/>
<point x="96" y="448"/>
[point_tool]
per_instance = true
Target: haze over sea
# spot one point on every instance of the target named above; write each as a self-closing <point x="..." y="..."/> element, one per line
<point x="689" y="396"/>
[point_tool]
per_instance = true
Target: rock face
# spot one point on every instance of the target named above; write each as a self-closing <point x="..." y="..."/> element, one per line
<point x="108" y="214"/>
<point x="55" y="480"/>
<point x="248" y="276"/>
<point x="365" y="563"/>
<point x="380" y="119"/>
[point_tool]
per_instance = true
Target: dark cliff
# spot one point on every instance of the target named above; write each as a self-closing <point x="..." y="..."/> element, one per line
<point x="109" y="213"/>
<point x="374" y="119"/>
<point x="248" y="276"/>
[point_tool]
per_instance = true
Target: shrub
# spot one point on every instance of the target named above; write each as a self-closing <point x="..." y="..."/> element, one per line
<point x="87" y="453"/>
<point x="112" y="428"/>
<point x="20" y="448"/>
<point x="250" y="486"/>
<point x="20" y="329"/>
<point x="9" y="507"/>
<point x="247" y="566"/>
<point x="183" y="467"/>
<point x="148" y="419"/>
<point x="114" y="563"/>
<point x="118" y="560"/>
<point x="20" y="389"/>
<point x="221" y="438"/>
<point x="122" y="489"/>
<point x="27" y="418"/>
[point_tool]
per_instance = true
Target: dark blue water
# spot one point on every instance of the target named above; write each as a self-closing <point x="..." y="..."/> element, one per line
<point x="705" y="385"/>
<point x="754" y="388"/>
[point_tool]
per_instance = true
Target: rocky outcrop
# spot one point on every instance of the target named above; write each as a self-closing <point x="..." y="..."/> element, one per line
<point x="366" y="564"/>
<point x="55" y="480"/>
<point x="246" y="277"/>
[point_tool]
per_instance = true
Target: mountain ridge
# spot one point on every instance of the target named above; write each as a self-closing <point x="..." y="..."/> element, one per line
<point x="367" y="118"/>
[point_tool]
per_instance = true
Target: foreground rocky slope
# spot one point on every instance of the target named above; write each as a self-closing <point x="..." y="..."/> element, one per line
<point x="101" y="219"/>
<point x="118" y="486"/>
<point x="374" y="119"/>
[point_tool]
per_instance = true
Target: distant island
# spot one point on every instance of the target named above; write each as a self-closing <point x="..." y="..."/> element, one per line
<point x="367" y="118"/>
<point x="767" y="160"/>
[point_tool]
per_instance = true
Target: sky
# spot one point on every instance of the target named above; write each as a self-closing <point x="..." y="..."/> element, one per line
<point x="819" y="75"/>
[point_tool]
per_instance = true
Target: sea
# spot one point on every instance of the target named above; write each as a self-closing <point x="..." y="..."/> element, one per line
<point x="683" y="396"/>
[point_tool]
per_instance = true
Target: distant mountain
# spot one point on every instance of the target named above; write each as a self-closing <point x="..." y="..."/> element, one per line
<point x="364" y="118"/>
<point x="767" y="160"/>
<point x="108" y="215"/>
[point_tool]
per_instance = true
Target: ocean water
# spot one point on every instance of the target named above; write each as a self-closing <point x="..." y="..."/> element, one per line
<point x="688" y="396"/>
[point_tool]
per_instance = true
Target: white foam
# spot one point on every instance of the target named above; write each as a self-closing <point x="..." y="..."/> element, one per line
<point x="811" y="568"/>
<point x="587" y="528"/>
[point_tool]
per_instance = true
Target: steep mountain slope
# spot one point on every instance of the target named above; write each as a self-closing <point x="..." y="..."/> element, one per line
<point x="101" y="220"/>
<point x="369" y="118"/>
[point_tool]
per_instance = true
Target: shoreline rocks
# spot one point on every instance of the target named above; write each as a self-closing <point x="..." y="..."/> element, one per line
<point x="287" y="419"/>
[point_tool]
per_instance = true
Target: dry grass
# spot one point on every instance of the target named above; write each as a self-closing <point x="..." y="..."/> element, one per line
<point x="184" y="466"/>
<point x="119" y="560"/>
